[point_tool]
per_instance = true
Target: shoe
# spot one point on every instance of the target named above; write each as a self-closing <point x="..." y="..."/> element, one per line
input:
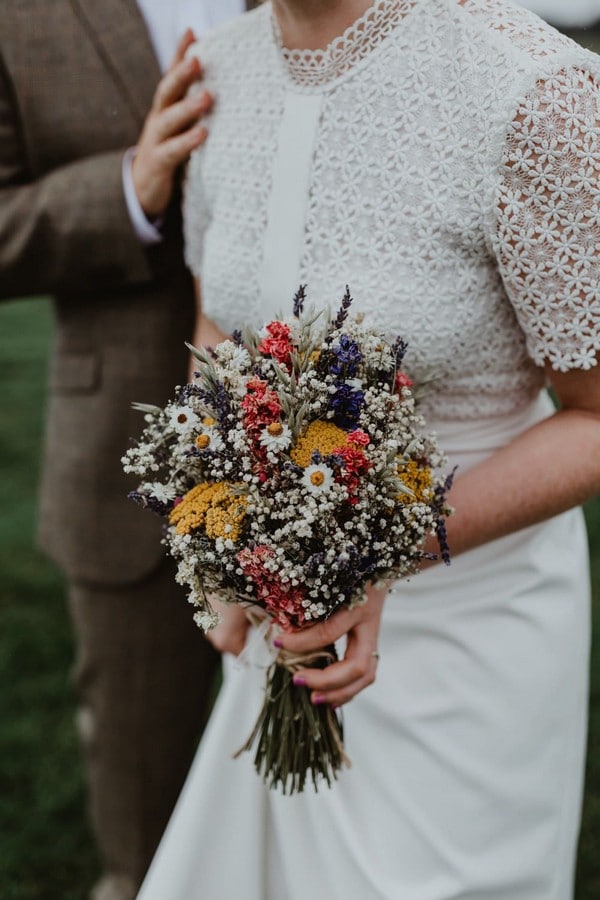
<point x="114" y="887"/>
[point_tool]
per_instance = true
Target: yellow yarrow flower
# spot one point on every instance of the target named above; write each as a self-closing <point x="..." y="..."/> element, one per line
<point x="417" y="479"/>
<point x="322" y="436"/>
<point x="214" y="507"/>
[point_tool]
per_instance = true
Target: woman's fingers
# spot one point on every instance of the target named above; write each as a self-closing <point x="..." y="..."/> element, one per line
<point x="229" y="636"/>
<point x="321" y="635"/>
<point x="341" y="681"/>
<point x="340" y="623"/>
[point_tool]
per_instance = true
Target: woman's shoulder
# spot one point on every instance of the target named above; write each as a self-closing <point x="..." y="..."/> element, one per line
<point x="517" y="55"/>
<point x="234" y="43"/>
<point x="516" y="32"/>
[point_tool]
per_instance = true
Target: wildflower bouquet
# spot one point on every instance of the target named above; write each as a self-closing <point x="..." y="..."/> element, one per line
<point x="293" y="472"/>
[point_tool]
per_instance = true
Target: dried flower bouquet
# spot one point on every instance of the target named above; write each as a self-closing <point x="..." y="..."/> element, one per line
<point x="293" y="472"/>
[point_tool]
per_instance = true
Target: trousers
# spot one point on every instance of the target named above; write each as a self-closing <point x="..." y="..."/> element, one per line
<point x="144" y="677"/>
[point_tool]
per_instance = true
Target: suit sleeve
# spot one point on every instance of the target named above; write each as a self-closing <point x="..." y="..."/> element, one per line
<point x="68" y="230"/>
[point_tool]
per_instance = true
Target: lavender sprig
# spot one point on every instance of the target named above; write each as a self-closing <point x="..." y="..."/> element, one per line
<point x="440" y="508"/>
<point x="342" y="314"/>
<point x="299" y="300"/>
<point x="399" y="348"/>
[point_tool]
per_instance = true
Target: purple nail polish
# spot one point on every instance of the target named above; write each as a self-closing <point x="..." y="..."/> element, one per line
<point x="277" y="643"/>
<point x="299" y="681"/>
<point x="318" y="699"/>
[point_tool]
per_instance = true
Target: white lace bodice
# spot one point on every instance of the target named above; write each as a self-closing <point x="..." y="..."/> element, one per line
<point x="442" y="158"/>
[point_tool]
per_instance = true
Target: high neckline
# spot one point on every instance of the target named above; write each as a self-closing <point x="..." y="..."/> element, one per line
<point x="312" y="69"/>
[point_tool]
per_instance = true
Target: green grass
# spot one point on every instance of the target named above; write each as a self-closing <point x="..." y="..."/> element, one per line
<point x="46" y="850"/>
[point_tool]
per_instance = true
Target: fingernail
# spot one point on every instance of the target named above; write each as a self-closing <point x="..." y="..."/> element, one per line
<point x="299" y="680"/>
<point x="277" y="643"/>
<point x="318" y="699"/>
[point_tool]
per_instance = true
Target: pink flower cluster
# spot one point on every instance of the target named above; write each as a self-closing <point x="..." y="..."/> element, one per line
<point x="402" y="381"/>
<point x="261" y="405"/>
<point x="278" y="344"/>
<point x="283" y="601"/>
<point x="354" y="463"/>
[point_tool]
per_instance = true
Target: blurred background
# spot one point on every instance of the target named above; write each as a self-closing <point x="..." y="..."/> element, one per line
<point x="566" y="13"/>
<point x="46" y="850"/>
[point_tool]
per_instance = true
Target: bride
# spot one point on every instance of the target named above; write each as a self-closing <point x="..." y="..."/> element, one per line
<point x="443" y="158"/>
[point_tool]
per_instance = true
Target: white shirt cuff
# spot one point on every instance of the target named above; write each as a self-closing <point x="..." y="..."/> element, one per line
<point x="148" y="232"/>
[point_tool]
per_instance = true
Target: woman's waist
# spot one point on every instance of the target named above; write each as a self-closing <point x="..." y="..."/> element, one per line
<point x="467" y="442"/>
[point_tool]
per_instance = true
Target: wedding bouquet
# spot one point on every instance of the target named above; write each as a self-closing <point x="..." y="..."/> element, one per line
<point x="292" y="473"/>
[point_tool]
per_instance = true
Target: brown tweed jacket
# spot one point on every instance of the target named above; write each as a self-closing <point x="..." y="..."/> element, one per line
<point x="76" y="80"/>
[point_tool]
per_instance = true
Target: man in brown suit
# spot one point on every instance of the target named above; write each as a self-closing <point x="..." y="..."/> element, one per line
<point x="77" y="88"/>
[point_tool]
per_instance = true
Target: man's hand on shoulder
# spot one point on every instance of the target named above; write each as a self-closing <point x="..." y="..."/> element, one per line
<point x="172" y="130"/>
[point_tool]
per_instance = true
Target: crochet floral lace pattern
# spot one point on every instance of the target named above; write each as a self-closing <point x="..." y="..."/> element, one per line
<point x="454" y="185"/>
<point x="548" y="237"/>
<point x="311" y="68"/>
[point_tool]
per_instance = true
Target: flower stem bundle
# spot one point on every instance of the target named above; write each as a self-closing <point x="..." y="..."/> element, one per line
<point x="294" y="739"/>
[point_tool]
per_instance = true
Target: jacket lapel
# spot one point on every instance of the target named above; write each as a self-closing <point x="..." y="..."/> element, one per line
<point x="118" y="30"/>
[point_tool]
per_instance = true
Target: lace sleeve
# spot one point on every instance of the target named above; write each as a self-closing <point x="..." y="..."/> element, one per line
<point x="547" y="237"/>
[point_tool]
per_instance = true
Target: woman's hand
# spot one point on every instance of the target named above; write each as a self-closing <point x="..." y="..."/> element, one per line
<point x="343" y="680"/>
<point x="230" y="635"/>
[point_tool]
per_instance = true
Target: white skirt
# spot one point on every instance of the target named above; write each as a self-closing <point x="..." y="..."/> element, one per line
<point x="467" y="752"/>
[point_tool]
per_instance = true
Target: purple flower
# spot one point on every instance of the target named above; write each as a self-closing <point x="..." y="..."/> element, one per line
<point x="299" y="300"/>
<point x="342" y="314"/>
<point x="439" y="509"/>
<point x="399" y="349"/>
<point x="346" y="405"/>
<point x="147" y="502"/>
<point x="346" y="357"/>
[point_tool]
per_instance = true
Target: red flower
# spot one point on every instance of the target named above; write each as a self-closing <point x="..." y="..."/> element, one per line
<point x="283" y="601"/>
<point x="261" y="405"/>
<point x="402" y="381"/>
<point x="278" y="344"/>
<point x="354" y="464"/>
<point x="361" y="438"/>
<point x="354" y="461"/>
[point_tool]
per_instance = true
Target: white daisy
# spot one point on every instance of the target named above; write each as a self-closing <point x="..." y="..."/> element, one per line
<point x="164" y="493"/>
<point x="209" y="437"/>
<point x="276" y="436"/>
<point x="317" y="478"/>
<point x="183" y="419"/>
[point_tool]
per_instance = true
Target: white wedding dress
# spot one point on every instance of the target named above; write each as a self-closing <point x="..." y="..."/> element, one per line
<point x="441" y="158"/>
